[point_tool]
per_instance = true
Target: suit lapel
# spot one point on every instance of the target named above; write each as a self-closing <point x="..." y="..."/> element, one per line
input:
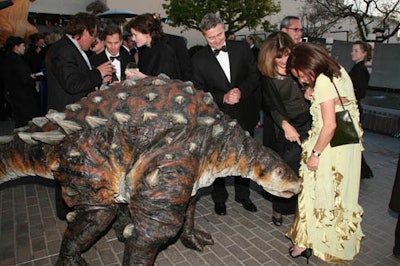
<point x="217" y="67"/>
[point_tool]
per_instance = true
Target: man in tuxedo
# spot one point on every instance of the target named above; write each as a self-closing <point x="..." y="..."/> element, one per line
<point x="252" y="43"/>
<point x="70" y="75"/>
<point x="292" y="26"/>
<point x="113" y="52"/>
<point x="227" y="69"/>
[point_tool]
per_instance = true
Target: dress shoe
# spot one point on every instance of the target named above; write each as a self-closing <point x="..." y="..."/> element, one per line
<point x="248" y="205"/>
<point x="277" y="221"/>
<point x="306" y="253"/>
<point x="220" y="208"/>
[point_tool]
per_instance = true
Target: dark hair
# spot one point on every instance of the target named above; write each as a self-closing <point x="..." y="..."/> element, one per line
<point x="80" y="22"/>
<point x="11" y="42"/>
<point x="147" y="24"/>
<point x="365" y="47"/>
<point x="313" y="60"/>
<point x="33" y="38"/>
<point x="111" y="30"/>
<point x="276" y="45"/>
<point x="210" y="21"/>
<point x="285" y="23"/>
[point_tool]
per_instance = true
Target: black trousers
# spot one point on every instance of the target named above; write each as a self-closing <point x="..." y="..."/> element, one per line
<point x="396" y="249"/>
<point x="291" y="154"/>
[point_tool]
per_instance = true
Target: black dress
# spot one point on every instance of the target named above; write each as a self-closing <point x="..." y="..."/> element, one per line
<point x="360" y="77"/>
<point x="395" y="206"/>
<point x="20" y="89"/>
<point x="285" y="100"/>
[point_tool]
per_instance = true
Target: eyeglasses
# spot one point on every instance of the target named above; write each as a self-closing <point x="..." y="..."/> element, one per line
<point x="295" y="29"/>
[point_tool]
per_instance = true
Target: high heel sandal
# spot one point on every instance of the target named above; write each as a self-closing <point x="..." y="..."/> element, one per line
<point x="305" y="253"/>
<point x="277" y="221"/>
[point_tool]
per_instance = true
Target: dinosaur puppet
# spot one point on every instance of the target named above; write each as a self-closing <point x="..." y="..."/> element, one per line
<point x="146" y="146"/>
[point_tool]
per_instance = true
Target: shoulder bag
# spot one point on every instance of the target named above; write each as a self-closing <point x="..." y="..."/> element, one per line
<point x="345" y="132"/>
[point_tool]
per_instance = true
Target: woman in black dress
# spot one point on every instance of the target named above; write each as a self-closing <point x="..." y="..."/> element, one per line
<point x="156" y="56"/>
<point x="395" y="206"/>
<point x="19" y="82"/>
<point x="359" y="75"/>
<point x="283" y="97"/>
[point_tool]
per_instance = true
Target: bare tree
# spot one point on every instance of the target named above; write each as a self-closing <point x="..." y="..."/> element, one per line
<point x="370" y="16"/>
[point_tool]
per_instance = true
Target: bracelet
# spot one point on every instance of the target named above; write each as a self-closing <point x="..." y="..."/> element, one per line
<point x="316" y="153"/>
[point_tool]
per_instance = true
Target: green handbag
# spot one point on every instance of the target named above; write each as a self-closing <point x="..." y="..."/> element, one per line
<point x="345" y="132"/>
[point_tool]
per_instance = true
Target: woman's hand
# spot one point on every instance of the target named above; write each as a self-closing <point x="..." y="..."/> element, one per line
<point x="312" y="162"/>
<point x="291" y="133"/>
<point x="134" y="73"/>
<point x="308" y="93"/>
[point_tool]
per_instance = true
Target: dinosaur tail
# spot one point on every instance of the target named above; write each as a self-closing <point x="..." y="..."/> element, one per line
<point x="21" y="157"/>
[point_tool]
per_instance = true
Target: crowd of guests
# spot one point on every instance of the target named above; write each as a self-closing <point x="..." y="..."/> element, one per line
<point x="295" y="84"/>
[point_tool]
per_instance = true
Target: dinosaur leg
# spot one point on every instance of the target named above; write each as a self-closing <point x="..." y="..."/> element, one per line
<point x="86" y="227"/>
<point x="190" y="237"/>
<point x="123" y="219"/>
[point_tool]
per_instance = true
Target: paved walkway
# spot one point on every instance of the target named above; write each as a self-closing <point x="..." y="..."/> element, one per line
<point x="30" y="233"/>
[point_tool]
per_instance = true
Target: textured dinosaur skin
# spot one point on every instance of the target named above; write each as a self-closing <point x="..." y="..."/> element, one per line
<point x="135" y="155"/>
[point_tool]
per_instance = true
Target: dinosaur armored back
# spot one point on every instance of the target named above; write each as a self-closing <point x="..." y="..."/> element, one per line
<point x="143" y="148"/>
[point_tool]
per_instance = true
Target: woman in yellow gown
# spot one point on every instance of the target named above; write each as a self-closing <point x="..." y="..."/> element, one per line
<point x="328" y="219"/>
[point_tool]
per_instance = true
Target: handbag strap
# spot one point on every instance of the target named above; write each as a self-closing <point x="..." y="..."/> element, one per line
<point x="340" y="98"/>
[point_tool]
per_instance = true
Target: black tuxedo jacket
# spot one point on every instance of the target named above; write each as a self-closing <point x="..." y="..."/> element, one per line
<point x="209" y="76"/>
<point x="68" y="75"/>
<point x="125" y="57"/>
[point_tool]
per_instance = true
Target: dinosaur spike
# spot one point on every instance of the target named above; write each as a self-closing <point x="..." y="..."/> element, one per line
<point x="192" y="146"/>
<point x="74" y="153"/>
<point x="188" y="89"/>
<point x="122" y="96"/>
<point x="71" y="192"/>
<point x="74" y="107"/>
<point x="168" y="156"/>
<point x="163" y="76"/>
<point x="189" y="83"/>
<point x="153" y="179"/>
<point x="95" y="121"/>
<point x="168" y="140"/>
<point x="206" y="120"/>
<point x="217" y="130"/>
<point x="158" y="82"/>
<point x="121" y="117"/>
<point x="5" y="139"/>
<point x="71" y="216"/>
<point x="21" y="129"/>
<point x="97" y="99"/>
<point x="55" y="116"/>
<point x="50" y="137"/>
<point x="149" y="116"/>
<point x="208" y="99"/>
<point x="177" y="118"/>
<point x="128" y="82"/>
<point x="180" y="99"/>
<point x="40" y="121"/>
<point x="27" y="138"/>
<point x="151" y="96"/>
<point x="232" y="123"/>
<point x="69" y="126"/>
<point x="104" y="87"/>
<point x="128" y="230"/>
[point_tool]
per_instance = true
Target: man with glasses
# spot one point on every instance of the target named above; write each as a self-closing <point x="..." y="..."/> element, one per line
<point x="292" y="26"/>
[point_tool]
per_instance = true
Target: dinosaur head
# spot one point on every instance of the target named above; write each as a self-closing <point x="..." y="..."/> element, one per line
<point x="276" y="177"/>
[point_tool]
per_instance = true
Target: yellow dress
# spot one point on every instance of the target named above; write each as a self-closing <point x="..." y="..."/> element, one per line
<point x="328" y="218"/>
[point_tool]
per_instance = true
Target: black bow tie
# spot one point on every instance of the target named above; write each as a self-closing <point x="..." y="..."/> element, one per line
<point x="223" y="49"/>
<point x="112" y="58"/>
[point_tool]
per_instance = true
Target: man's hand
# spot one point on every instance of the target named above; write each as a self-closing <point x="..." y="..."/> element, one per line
<point x="106" y="69"/>
<point x="232" y="97"/>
